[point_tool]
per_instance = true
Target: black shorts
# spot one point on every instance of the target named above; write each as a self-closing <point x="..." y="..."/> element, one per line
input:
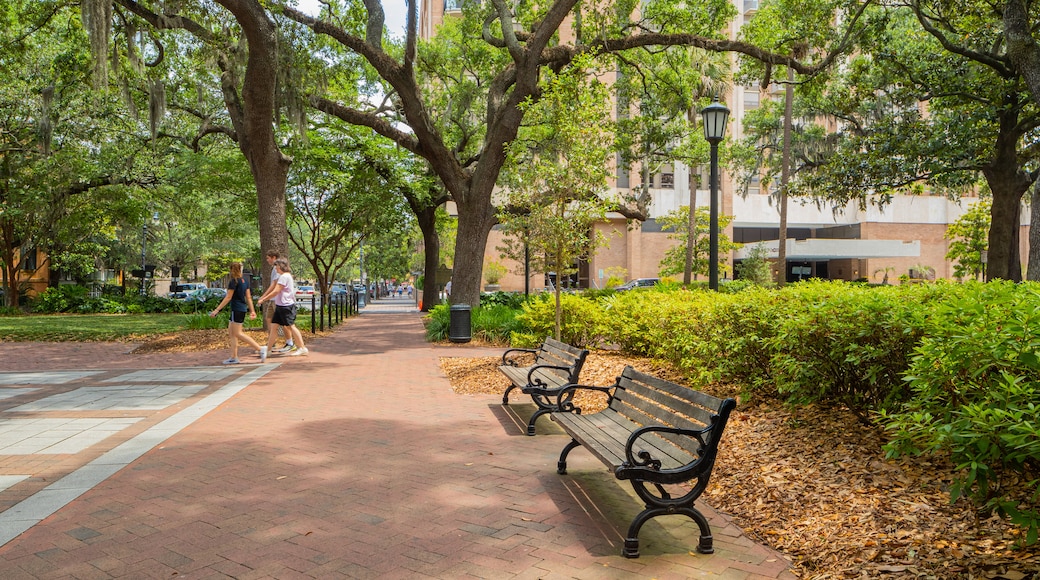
<point x="284" y="315"/>
<point x="238" y="317"/>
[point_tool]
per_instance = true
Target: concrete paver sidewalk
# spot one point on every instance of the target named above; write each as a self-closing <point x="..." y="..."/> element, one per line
<point x="359" y="461"/>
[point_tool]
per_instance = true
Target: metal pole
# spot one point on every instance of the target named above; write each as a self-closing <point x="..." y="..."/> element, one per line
<point x="713" y="235"/>
<point x="527" y="267"/>
<point x="144" y="260"/>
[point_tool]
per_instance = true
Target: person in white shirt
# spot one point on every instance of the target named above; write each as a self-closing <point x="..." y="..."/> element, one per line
<point x="284" y="295"/>
<point x="289" y="346"/>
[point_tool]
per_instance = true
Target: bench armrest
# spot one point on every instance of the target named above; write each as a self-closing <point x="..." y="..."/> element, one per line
<point x="507" y="360"/>
<point x="533" y="381"/>
<point x="565" y="395"/>
<point x="643" y="459"/>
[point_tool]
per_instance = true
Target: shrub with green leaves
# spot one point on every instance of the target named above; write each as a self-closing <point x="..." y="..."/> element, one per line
<point x="734" y="345"/>
<point x="500" y="298"/>
<point x="975" y="379"/>
<point x="73" y="298"/>
<point x="580" y="323"/>
<point x="632" y="320"/>
<point x="845" y="344"/>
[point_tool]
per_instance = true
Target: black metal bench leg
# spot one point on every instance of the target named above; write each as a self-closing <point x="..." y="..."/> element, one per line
<point x="561" y="465"/>
<point x="505" y="395"/>
<point x="632" y="539"/>
<point x="534" y="417"/>
<point x="705" y="546"/>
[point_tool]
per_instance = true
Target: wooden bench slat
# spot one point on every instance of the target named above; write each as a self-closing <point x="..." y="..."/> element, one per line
<point x="690" y="402"/>
<point x="590" y="432"/>
<point x="642" y="412"/>
<point x="616" y="428"/>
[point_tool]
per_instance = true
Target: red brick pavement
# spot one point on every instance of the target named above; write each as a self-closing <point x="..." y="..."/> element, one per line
<point x="357" y="461"/>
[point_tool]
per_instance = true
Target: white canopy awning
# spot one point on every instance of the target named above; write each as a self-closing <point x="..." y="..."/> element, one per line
<point x="820" y="249"/>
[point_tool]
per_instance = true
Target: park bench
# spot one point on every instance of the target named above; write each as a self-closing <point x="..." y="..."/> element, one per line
<point x="555" y="365"/>
<point x="652" y="433"/>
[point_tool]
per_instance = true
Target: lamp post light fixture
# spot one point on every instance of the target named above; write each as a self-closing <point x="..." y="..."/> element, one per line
<point x="144" y="253"/>
<point x="715" y="116"/>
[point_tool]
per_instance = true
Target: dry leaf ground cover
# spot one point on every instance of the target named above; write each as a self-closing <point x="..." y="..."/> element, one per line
<point x="814" y="484"/>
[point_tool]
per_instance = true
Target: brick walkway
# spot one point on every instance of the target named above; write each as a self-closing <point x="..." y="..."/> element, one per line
<point x="357" y="461"/>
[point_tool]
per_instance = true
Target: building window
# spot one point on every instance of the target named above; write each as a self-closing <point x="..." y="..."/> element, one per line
<point x="29" y="259"/>
<point x="750" y="5"/>
<point x="751" y="100"/>
<point x="453" y="5"/>
<point x="667" y="181"/>
<point x="622" y="173"/>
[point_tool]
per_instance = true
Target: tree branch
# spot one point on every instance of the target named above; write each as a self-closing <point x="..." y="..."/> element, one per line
<point x="377" y="124"/>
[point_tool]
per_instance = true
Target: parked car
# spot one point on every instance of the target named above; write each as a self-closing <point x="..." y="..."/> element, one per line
<point x="184" y="289"/>
<point x="206" y="294"/>
<point x="638" y="283"/>
<point x="304" y="293"/>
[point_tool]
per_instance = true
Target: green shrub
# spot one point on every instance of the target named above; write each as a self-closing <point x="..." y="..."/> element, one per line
<point x="437" y="323"/>
<point x="61" y="299"/>
<point x="511" y="299"/>
<point x="734" y="343"/>
<point x="203" y="321"/>
<point x="845" y="344"/>
<point x="110" y="300"/>
<point x="580" y="323"/>
<point x="632" y="320"/>
<point x="495" y="323"/>
<point x="975" y="378"/>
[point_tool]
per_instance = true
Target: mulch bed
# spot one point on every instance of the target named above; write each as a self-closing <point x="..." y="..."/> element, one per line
<point x="814" y="484"/>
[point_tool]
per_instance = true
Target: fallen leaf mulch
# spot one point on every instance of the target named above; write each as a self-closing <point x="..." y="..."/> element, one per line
<point x="814" y="484"/>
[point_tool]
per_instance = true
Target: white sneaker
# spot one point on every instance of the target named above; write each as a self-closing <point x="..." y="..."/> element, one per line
<point x="286" y="348"/>
<point x="263" y="354"/>
<point x="299" y="352"/>
<point x="231" y="361"/>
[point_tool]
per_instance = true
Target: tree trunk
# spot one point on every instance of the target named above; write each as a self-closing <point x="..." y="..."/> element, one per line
<point x="1022" y="48"/>
<point x="427" y="219"/>
<point x="1003" y="260"/>
<point x="475" y="221"/>
<point x="253" y="118"/>
<point x="1024" y="52"/>
<point x="1008" y="182"/>
<point x="691" y="238"/>
<point x="10" y="286"/>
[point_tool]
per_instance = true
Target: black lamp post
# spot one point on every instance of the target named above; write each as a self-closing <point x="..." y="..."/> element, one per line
<point x="715" y="116"/>
<point x="144" y="260"/>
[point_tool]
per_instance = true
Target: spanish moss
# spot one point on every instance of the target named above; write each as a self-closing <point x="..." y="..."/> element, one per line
<point x="97" y="20"/>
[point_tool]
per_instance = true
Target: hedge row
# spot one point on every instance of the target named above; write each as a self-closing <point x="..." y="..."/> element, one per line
<point x="946" y="368"/>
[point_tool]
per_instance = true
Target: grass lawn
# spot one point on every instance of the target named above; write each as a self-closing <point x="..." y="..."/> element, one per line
<point x="116" y="327"/>
<point x="90" y="327"/>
